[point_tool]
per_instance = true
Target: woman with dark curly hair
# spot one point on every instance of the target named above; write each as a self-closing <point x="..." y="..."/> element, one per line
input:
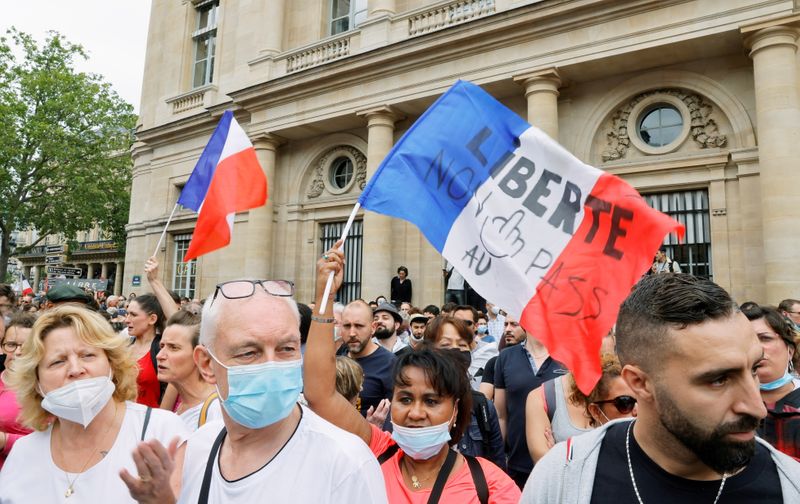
<point x="558" y="410"/>
<point x="430" y="411"/>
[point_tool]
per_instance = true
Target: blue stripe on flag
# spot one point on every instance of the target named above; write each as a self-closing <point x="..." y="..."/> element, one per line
<point x="194" y="192"/>
<point x="434" y="169"/>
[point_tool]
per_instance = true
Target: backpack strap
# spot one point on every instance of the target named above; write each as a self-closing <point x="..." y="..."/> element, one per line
<point x="441" y="478"/>
<point x="146" y="421"/>
<point x="386" y="455"/>
<point x="205" y="486"/>
<point x="480" y="409"/>
<point x="204" y="410"/>
<point x="548" y="391"/>
<point x="478" y="478"/>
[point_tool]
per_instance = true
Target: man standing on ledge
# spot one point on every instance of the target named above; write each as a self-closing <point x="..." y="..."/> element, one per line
<point x="690" y="358"/>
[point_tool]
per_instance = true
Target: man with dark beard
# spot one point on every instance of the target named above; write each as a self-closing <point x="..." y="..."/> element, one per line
<point x="690" y="359"/>
<point x="387" y="323"/>
<point x="358" y="328"/>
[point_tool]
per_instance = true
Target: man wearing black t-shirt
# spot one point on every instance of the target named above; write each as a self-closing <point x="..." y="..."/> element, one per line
<point x="689" y="357"/>
<point x="377" y="362"/>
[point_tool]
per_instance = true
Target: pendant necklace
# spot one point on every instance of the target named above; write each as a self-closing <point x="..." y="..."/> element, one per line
<point x="71" y="484"/>
<point x="416" y="482"/>
<point x="633" y="480"/>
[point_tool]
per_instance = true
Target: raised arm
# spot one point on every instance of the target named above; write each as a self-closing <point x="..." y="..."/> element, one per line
<point x="319" y="366"/>
<point x="160" y="292"/>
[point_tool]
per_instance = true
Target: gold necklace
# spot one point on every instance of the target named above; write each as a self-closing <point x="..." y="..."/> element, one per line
<point x="70" y="488"/>
<point x="416" y="482"/>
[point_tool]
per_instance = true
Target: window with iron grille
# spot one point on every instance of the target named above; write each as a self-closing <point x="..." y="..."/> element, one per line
<point x="691" y="209"/>
<point x="351" y="283"/>
<point x="183" y="274"/>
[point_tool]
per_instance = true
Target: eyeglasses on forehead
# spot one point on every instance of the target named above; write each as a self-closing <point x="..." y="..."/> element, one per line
<point x="240" y="289"/>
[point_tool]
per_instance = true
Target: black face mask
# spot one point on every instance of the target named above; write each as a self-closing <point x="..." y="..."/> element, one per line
<point x="464" y="357"/>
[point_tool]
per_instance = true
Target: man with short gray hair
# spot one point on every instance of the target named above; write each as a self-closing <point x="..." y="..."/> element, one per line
<point x="267" y="445"/>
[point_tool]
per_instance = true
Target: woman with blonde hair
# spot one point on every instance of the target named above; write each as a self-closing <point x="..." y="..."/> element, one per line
<point x="75" y="382"/>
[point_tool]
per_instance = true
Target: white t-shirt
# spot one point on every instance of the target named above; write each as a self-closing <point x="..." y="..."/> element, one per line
<point x="320" y="463"/>
<point x="191" y="416"/>
<point x="29" y="474"/>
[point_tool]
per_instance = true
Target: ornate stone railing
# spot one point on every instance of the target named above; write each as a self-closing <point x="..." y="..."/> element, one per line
<point x="324" y="52"/>
<point x="194" y="99"/>
<point x="450" y="14"/>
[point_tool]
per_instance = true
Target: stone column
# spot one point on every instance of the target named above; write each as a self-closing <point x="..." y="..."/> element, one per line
<point x="37" y="272"/>
<point x="104" y="271"/>
<point x="541" y="91"/>
<point x="376" y="265"/>
<point x="273" y="27"/>
<point x="26" y="270"/>
<point x="377" y="8"/>
<point x="258" y="259"/>
<point x="118" y="275"/>
<point x="774" y="53"/>
<point x="90" y="271"/>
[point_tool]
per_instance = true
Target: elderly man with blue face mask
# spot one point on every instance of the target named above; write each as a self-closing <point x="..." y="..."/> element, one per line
<point x="267" y="445"/>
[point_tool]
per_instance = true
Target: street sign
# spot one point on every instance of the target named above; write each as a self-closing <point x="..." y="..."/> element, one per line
<point x="54" y="260"/>
<point x="54" y="270"/>
<point x="136" y="281"/>
<point x="53" y="249"/>
<point x="95" y="285"/>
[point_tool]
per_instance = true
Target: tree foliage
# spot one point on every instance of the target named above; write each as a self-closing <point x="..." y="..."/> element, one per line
<point x="65" y="139"/>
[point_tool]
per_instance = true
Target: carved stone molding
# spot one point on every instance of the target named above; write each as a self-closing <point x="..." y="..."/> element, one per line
<point x="702" y="127"/>
<point x="321" y="181"/>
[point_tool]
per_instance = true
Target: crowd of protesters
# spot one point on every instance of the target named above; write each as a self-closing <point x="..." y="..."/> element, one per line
<point x="248" y="395"/>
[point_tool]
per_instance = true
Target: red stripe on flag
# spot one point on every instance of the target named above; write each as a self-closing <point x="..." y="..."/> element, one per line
<point x="239" y="184"/>
<point x="577" y="301"/>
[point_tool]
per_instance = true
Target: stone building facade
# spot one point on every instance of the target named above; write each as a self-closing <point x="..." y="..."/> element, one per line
<point x="694" y="102"/>
<point x="93" y="253"/>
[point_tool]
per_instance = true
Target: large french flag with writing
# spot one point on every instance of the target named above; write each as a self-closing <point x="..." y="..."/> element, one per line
<point x="227" y="179"/>
<point x="533" y="229"/>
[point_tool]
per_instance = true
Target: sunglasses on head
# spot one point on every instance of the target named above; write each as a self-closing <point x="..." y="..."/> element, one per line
<point x="623" y="403"/>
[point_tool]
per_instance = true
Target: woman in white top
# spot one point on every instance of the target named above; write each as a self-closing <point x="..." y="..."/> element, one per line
<point x="75" y="383"/>
<point x="197" y="402"/>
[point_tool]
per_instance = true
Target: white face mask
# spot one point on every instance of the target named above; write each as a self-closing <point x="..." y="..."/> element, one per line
<point x="81" y="400"/>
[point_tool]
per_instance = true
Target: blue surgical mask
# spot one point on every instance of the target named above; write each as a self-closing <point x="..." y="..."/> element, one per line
<point x="482" y="329"/>
<point x="262" y="394"/>
<point x="422" y="443"/>
<point x="780" y="382"/>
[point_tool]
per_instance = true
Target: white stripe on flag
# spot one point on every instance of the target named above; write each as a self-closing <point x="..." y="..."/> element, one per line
<point x="497" y="221"/>
<point x="236" y="141"/>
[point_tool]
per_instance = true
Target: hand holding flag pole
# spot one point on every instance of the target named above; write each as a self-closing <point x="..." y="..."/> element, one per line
<point x="328" y="285"/>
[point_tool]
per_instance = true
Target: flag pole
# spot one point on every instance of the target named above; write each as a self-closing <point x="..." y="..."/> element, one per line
<point x="163" y="233"/>
<point x="328" y="285"/>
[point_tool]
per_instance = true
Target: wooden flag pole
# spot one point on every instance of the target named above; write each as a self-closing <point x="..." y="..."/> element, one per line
<point x="163" y="233"/>
<point x="328" y="285"/>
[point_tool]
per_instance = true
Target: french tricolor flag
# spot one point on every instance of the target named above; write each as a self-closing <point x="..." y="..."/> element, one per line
<point x="227" y="179"/>
<point x="531" y="228"/>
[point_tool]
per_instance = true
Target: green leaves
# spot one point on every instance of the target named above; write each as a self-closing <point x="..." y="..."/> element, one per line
<point x="65" y="139"/>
